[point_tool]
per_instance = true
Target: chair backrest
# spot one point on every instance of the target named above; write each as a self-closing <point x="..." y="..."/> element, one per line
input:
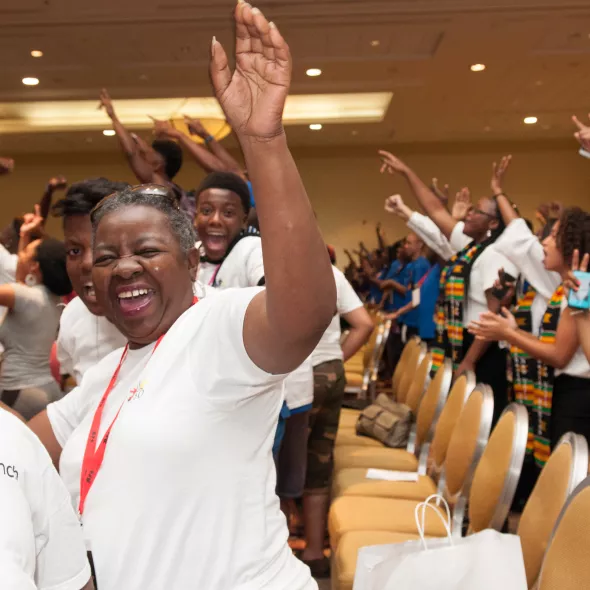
<point x="414" y="359"/>
<point x="419" y="382"/>
<point x="433" y="402"/>
<point x="370" y="346"/>
<point x="400" y="368"/>
<point x="565" y="469"/>
<point x="566" y="565"/>
<point x="445" y="426"/>
<point x="467" y="442"/>
<point x="498" y="470"/>
<point x="382" y="337"/>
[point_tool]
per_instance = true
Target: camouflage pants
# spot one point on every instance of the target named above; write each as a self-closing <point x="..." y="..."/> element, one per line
<point x="329" y="384"/>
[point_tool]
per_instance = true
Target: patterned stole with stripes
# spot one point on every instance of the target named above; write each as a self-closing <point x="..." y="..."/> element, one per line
<point x="451" y="305"/>
<point x="523" y="368"/>
<point x="545" y="379"/>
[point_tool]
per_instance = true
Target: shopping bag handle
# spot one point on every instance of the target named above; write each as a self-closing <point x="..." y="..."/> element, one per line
<point x="421" y="517"/>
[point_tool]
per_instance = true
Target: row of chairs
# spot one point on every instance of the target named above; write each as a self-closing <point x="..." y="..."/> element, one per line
<point x="453" y="454"/>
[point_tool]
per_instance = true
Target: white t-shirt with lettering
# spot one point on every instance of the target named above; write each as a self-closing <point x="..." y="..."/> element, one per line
<point x="84" y="339"/>
<point x="185" y="497"/>
<point x="243" y="266"/>
<point x="347" y="300"/>
<point x="41" y="544"/>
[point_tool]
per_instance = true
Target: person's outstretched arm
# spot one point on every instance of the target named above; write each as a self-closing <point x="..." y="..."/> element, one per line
<point x="505" y="207"/>
<point x="6" y="165"/>
<point x="284" y="323"/>
<point x="140" y="166"/>
<point x="54" y="184"/>
<point x="431" y="204"/>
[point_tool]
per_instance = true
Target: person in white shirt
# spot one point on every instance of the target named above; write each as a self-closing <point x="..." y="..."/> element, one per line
<point x="564" y="380"/>
<point x="166" y="449"/>
<point x="229" y="256"/>
<point x="469" y="278"/>
<point x="41" y="544"/>
<point x="85" y="335"/>
<point x="329" y="384"/>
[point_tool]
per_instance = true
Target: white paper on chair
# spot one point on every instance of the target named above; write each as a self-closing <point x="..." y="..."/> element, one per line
<point x="388" y="475"/>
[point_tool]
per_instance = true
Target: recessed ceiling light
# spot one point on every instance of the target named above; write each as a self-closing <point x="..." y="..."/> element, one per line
<point x="478" y="67"/>
<point x="109" y="132"/>
<point x="313" y="72"/>
<point x="36" y="53"/>
<point x="530" y="120"/>
<point x="315" y="126"/>
<point x="375" y="43"/>
<point x="30" y="81"/>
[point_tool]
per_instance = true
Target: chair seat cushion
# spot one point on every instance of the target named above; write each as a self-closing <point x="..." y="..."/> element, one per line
<point x="353" y="482"/>
<point x="348" y="418"/>
<point x="348" y="436"/>
<point x="345" y="558"/>
<point x="357" y="513"/>
<point x="378" y="457"/>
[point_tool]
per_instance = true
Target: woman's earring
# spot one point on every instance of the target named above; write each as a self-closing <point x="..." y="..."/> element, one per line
<point x="30" y="280"/>
<point x="489" y="234"/>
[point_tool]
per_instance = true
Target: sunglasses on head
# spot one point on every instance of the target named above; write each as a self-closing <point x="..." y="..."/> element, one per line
<point x="152" y="189"/>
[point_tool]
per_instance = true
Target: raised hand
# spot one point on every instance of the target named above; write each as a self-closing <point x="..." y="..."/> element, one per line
<point x="106" y="103"/>
<point x="391" y="164"/>
<point x="31" y="222"/>
<point x="6" y="165"/>
<point x="571" y="282"/>
<point x="57" y="182"/>
<point x="394" y="204"/>
<point x="253" y="96"/>
<point x="462" y="204"/>
<point x="164" y="128"/>
<point x="498" y="171"/>
<point x="582" y="134"/>
<point x="195" y="127"/>
<point x="493" y="327"/>
<point x="443" y="194"/>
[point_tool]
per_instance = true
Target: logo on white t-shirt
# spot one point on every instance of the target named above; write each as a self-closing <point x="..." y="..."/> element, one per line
<point x="136" y="392"/>
<point x="9" y="471"/>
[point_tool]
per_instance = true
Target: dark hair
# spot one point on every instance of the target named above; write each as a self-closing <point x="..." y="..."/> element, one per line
<point x="172" y="154"/>
<point x="497" y="232"/>
<point x="573" y="233"/>
<point x="180" y="224"/>
<point x="547" y="229"/>
<point x="228" y="181"/>
<point x="529" y="224"/>
<point x="83" y="196"/>
<point x="51" y="256"/>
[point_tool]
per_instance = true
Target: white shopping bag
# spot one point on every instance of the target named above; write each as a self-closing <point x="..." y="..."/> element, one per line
<point x="485" y="561"/>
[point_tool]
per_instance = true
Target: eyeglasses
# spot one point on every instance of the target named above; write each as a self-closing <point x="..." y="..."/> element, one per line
<point x="480" y="212"/>
<point x="152" y="189"/>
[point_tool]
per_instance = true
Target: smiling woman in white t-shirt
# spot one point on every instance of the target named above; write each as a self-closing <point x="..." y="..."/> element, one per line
<point x="167" y="448"/>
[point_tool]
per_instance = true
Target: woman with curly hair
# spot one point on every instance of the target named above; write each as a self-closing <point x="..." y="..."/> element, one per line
<point x="561" y="381"/>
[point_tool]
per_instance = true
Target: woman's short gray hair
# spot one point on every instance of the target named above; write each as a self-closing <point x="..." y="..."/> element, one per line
<point x="180" y="224"/>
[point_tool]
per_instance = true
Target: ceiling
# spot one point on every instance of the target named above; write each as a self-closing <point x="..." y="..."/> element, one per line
<point x="536" y="52"/>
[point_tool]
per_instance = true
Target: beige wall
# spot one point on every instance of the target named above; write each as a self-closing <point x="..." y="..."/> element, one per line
<point x="344" y="184"/>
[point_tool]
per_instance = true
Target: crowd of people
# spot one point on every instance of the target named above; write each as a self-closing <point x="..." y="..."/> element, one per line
<point x="179" y="357"/>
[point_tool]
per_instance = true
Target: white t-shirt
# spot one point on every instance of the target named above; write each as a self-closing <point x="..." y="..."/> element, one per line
<point x="84" y="339"/>
<point x="299" y="386"/>
<point x="484" y="273"/>
<point x="328" y="348"/>
<point x="185" y="497"/>
<point x="41" y="544"/>
<point x="578" y="366"/>
<point x="8" y="264"/>
<point x="426" y="229"/>
<point x="243" y="266"/>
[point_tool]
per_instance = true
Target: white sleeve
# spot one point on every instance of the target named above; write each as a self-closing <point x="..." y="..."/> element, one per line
<point x="61" y="553"/>
<point x="64" y="345"/>
<point x="458" y="239"/>
<point x="66" y="414"/>
<point x="8" y="264"/>
<point x="255" y="265"/>
<point x="346" y="298"/>
<point x="491" y="263"/>
<point x="426" y="229"/>
<point x="524" y="250"/>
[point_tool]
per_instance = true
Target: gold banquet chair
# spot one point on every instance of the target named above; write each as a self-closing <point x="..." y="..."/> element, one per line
<point x="415" y="358"/>
<point x="566" y="565"/>
<point x="566" y="468"/>
<point x="434" y="430"/>
<point x="359" y="513"/>
<point x="357" y="379"/>
<point x="404" y="361"/>
<point x="382" y="457"/>
<point x="490" y="498"/>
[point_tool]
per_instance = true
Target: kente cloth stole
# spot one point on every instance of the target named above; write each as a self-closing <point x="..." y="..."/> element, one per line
<point x="545" y="379"/>
<point x="451" y="305"/>
<point x="523" y="368"/>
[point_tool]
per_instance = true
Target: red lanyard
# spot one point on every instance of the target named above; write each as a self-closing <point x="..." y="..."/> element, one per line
<point x="423" y="279"/>
<point x="93" y="455"/>
<point x="214" y="276"/>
